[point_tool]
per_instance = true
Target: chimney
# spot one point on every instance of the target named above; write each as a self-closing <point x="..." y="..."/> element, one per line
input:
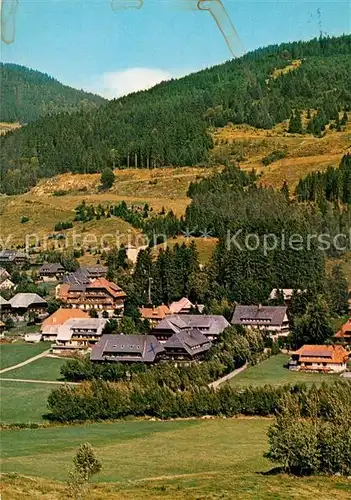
<point x="259" y="307"/>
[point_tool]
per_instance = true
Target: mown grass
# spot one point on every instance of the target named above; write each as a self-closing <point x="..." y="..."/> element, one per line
<point x="12" y="354"/>
<point x="197" y="459"/>
<point x="273" y="371"/>
<point x="23" y="402"/>
<point x="42" y="369"/>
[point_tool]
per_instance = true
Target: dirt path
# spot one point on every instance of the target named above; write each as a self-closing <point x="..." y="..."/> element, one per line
<point x="217" y="383"/>
<point x="26" y="362"/>
<point x="55" y="382"/>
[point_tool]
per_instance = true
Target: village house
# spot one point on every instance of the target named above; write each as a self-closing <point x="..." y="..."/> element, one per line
<point x="320" y="358"/>
<point x="13" y="257"/>
<point x="185" y="306"/>
<point x="5" y="308"/>
<point x="186" y="345"/>
<point x="51" y="271"/>
<point x="25" y="304"/>
<point x="49" y="327"/>
<point x="208" y="325"/>
<point x="7" y="284"/>
<point x="127" y="349"/>
<point x="5" y="280"/>
<point x="270" y="319"/>
<point x="78" y="334"/>
<point x="85" y="275"/>
<point x="285" y="293"/>
<point x="344" y="334"/>
<point x="99" y="294"/>
<point x="154" y="314"/>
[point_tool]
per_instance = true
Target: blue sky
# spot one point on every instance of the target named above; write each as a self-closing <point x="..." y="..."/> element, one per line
<point x="89" y="45"/>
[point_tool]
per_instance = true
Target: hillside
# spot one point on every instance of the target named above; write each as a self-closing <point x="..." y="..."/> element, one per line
<point x="27" y="95"/>
<point x="172" y="123"/>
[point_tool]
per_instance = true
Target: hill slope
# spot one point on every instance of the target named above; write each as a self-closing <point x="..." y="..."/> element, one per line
<point x="27" y="95"/>
<point x="170" y="124"/>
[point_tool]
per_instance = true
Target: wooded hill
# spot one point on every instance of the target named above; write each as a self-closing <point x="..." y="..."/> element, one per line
<point x="27" y="95"/>
<point x="170" y="123"/>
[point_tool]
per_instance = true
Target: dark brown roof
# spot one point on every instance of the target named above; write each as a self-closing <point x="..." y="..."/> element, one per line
<point x="259" y="315"/>
<point x="55" y="267"/>
<point x="192" y="341"/>
<point x="211" y="324"/>
<point x="127" y="348"/>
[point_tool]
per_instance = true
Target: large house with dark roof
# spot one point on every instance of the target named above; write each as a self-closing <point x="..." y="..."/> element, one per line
<point x="186" y="345"/>
<point x="127" y="349"/>
<point x="13" y="257"/>
<point x="99" y="294"/>
<point x="208" y="325"/>
<point x="85" y="275"/>
<point x="22" y="304"/>
<point x="320" y="358"/>
<point x="271" y="319"/>
<point x="51" y="271"/>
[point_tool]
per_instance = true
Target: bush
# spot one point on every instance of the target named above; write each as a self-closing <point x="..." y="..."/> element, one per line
<point x="107" y="178"/>
<point x="274" y="156"/>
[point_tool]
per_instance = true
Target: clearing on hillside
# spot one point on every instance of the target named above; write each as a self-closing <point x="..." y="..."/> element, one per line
<point x="143" y="460"/>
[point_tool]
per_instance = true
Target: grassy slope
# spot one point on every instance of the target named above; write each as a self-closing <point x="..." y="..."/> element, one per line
<point x="42" y="369"/>
<point x="12" y="354"/>
<point x="272" y="371"/>
<point x="167" y="187"/>
<point x="153" y="460"/>
<point x="23" y="402"/>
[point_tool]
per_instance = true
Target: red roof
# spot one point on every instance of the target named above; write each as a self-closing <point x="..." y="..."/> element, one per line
<point x="345" y="331"/>
<point x="334" y="354"/>
<point x="111" y="287"/>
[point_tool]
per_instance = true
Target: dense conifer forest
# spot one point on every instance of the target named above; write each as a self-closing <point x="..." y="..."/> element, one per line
<point x="170" y="123"/>
<point x="27" y="95"/>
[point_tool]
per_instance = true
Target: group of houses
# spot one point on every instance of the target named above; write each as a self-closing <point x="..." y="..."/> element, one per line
<point x="179" y="331"/>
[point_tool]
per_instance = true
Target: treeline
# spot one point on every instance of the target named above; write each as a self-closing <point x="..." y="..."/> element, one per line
<point x="136" y="130"/>
<point x="27" y="95"/>
<point x="333" y="185"/>
<point x="101" y="400"/>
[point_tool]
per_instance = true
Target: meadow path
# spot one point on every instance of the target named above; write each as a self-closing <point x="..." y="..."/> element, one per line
<point x="217" y="383"/>
<point x="26" y="362"/>
<point x="30" y="381"/>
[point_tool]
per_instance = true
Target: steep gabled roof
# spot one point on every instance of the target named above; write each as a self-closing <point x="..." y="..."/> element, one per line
<point x="345" y="331"/>
<point x="62" y="315"/>
<point x="259" y="315"/>
<point x="192" y="341"/>
<point x="49" y="267"/>
<point x="109" y="286"/>
<point x="126" y="347"/>
<point x="154" y="313"/>
<point x="24" y="300"/>
<point x="334" y="354"/>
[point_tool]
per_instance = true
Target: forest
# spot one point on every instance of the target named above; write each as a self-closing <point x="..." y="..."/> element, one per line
<point x="27" y="95"/>
<point x="170" y="123"/>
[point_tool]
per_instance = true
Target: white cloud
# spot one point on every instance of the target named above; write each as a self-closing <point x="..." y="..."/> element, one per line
<point x="119" y="83"/>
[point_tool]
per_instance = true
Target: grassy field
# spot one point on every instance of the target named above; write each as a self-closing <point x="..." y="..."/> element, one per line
<point x="42" y="369"/>
<point x="23" y="402"/>
<point x="196" y="459"/>
<point x="12" y="354"/>
<point x="205" y="246"/>
<point x="272" y="371"/>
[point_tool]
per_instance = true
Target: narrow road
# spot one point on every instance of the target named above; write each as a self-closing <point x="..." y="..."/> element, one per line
<point x="55" y="382"/>
<point x="26" y="362"/>
<point x="217" y="383"/>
